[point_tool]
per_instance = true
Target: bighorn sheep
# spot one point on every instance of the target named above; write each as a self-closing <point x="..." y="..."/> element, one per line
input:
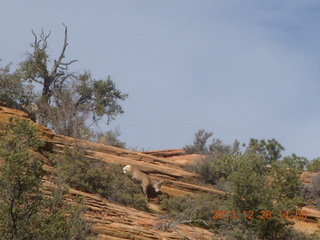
<point x="149" y="186"/>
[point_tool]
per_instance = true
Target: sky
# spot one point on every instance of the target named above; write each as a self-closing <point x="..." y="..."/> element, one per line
<point x="240" y="69"/>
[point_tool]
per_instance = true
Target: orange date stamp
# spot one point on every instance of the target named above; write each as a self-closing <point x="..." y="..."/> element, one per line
<point x="258" y="215"/>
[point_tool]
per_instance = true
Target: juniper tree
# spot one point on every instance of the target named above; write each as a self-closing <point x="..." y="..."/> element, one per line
<point x="68" y="102"/>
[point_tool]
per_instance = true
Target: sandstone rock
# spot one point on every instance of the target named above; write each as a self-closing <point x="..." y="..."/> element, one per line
<point x="112" y="221"/>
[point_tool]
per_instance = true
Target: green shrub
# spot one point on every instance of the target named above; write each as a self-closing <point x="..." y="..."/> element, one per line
<point x="63" y="221"/>
<point x="94" y="176"/>
<point x="314" y="166"/>
<point x="21" y="198"/>
<point x="120" y="189"/>
<point x="111" y="138"/>
<point x="270" y="150"/>
<point x="311" y="192"/>
<point x="199" y="143"/>
<point x="218" y="161"/>
<point x="257" y="187"/>
<point x="194" y="209"/>
<point x="25" y="213"/>
<point x="204" y="167"/>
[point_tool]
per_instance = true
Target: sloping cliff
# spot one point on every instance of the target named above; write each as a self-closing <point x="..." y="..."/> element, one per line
<point x="112" y="221"/>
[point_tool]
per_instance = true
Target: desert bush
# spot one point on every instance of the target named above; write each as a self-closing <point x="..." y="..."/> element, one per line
<point x="203" y="166"/>
<point x="314" y="166"/>
<point x="71" y="225"/>
<point x="270" y="150"/>
<point x="311" y="192"/>
<point x="193" y="209"/>
<point x="16" y="93"/>
<point x="25" y="213"/>
<point x="294" y="162"/>
<point x="120" y="189"/>
<point x="240" y="232"/>
<point x="292" y="234"/>
<point x="64" y="221"/>
<point x="111" y="138"/>
<point x="214" y="169"/>
<point x="94" y="176"/>
<point x="218" y="148"/>
<point x="217" y="160"/>
<point x="21" y="198"/>
<point x="199" y="143"/>
<point x="257" y="187"/>
<point x="250" y="192"/>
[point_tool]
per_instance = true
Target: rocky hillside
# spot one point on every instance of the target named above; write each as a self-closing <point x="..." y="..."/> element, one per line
<point x="112" y="221"/>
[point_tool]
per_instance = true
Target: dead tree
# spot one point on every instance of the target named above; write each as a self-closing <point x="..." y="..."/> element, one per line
<point x="67" y="99"/>
<point x="39" y="72"/>
<point x="36" y="69"/>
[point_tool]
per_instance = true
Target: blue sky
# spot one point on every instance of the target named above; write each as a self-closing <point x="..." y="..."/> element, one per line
<point x="241" y="69"/>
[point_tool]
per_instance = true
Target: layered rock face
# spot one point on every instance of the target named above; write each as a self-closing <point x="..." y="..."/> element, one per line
<point x="112" y="221"/>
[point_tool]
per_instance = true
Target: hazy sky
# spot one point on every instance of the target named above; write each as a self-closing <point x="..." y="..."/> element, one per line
<point x="241" y="69"/>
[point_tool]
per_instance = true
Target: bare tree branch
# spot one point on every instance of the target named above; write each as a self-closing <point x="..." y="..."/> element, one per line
<point x="58" y="63"/>
<point x="36" y="41"/>
<point x="44" y="38"/>
<point x="66" y="65"/>
<point x="37" y="81"/>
